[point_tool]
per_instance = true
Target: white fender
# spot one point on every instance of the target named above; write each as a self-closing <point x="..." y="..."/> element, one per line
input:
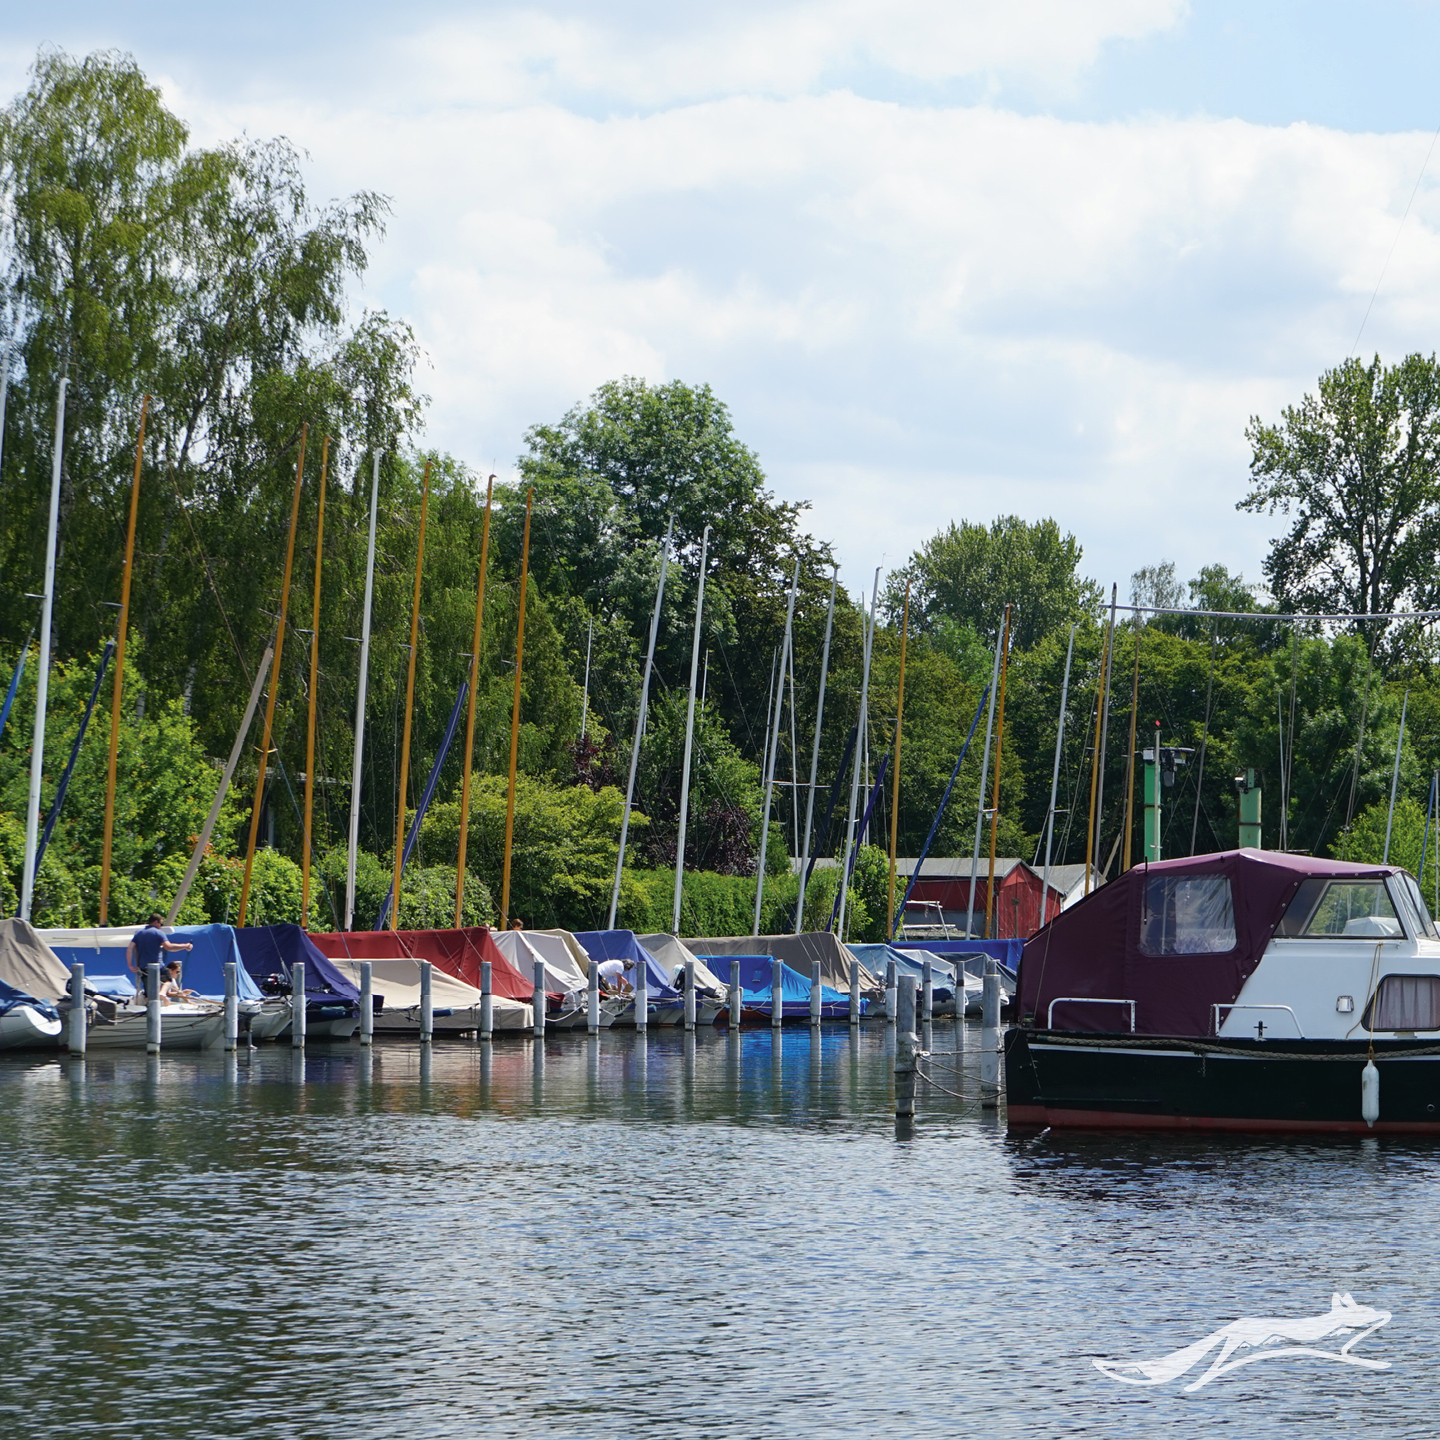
<point x="1370" y="1093"/>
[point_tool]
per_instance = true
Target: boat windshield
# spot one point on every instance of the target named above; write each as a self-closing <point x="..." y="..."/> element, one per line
<point x="1341" y="908"/>
<point x="1421" y="914"/>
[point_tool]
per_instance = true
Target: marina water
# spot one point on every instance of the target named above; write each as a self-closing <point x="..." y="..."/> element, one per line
<point x="708" y="1235"/>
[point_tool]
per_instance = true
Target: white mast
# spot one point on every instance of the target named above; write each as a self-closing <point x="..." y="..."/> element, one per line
<point x="639" y="726"/>
<point x="689" y="736"/>
<point x="1055" y="779"/>
<point x="360" y="705"/>
<point x="866" y="642"/>
<point x="815" y="754"/>
<point x="984" y="773"/>
<point x="42" y="684"/>
<point x="774" y="748"/>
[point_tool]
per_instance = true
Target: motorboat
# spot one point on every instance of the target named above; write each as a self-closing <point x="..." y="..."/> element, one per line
<point x="332" y="1003"/>
<point x="1245" y="990"/>
<point x="27" y="1022"/>
<point x="184" y="1025"/>
<point x="455" y="1006"/>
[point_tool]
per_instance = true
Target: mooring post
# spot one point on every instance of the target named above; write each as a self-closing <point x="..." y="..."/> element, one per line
<point x="905" y="1045"/>
<point x="592" y="998"/>
<point x="367" y="1004"/>
<point x="990" y="1037"/>
<point x="927" y="992"/>
<point x="77" y="1010"/>
<point x="689" y="994"/>
<point x="734" y="999"/>
<point x="297" y="1006"/>
<point x="537" y="998"/>
<point x="152" y="1009"/>
<point x="890" y="992"/>
<point x="777" y="992"/>
<point x="427" y="1002"/>
<point x="854" y="992"/>
<point x="232" y="1006"/>
<point x="487" y="1002"/>
<point x="642" y="996"/>
<point x="814" y="992"/>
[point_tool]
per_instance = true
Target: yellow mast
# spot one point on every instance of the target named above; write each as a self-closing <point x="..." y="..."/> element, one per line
<point x="995" y="791"/>
<point x="409" y="701"/>
<point x="314" y="682"/>
<point x="274" y="683"/>
<point x="1098" y="760"/>
<point x="120" y="670"/>
<point x="470" y="715"/>
<point x="515" y="717"/>
<point x="895" y="779"/>
<point x="1130" y="754"/>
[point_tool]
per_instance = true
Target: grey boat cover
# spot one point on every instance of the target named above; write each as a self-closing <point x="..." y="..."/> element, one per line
<point x="673" y="954"/>
<point x="799" y="952"/>
<point x="522" y="948"/>
<point x="28" y="964"/>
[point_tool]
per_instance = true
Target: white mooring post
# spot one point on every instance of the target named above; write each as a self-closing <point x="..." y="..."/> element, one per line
<point x="990" y="1037"/>
<point x="297" y="1006"/>
<point x="427" y="1002"/>
<point x="642" y="997"/>
<point x="537" y="998"/>
<point x="890" y="992"/>
<point x="777" y="993"/>
<point x="77" y="1010"/>
<point x="152" y="1009"/>
<point x="487" y="1003"/>
<point x="689" y="994"/>
<point x="927" y="993"/>
<point x="592" y="999"/>
<point x="854" y="992"/>
<point x="232" y="1006"/>
<point x="734" y="1001"/>
<point x="905" y="1045"/>
<point x="814" y="992"/>
<point x="367" y="1004"/>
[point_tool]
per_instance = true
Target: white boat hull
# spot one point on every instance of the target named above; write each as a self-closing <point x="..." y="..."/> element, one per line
<point x="181" y="1028"/>
<point x="24" y="1028"/>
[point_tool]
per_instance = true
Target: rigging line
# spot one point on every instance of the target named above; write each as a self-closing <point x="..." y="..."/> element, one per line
<point x="1398" y="230"/>
<point x="1275" y="617"/>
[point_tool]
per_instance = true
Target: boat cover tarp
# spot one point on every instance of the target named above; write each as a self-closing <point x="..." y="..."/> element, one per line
<point x="399" y="980"/>
<point x="29" y="964"/>
<point x="457" y="952"/>
<point x="1093" y="948"/>
<point x="522" y="948"/>
<point x="800" y="951"/>
<point x="272" y="949"/>
<point x="757" y="976"/>
<point x="673" y="954"/>
<point x="101" y="950"/>
<point x="571" y="944"/>
<point x="623" y="945"/>
<point x="10" y="997"/>
<point x="1007" y="952"/>
<point x="907" y="962"/>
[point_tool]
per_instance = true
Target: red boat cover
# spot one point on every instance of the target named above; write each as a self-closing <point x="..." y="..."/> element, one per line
<point x="1094" y="949"/>
<point x="456" y="952"/>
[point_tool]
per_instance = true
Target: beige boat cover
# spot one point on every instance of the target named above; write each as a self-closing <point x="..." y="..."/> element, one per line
<point x="578" y="952"/>
<point x="398" y="983"/>
<point x="799" y="952"/>
<point x="673" y="954"/>
<point x="522" y="948"/>
<point x="29" y="964"/>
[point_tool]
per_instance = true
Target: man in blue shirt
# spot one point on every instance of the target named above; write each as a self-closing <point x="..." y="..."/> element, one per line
<point x="145" y="947"/>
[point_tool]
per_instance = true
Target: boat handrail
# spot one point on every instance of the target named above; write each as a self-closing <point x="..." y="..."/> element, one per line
<point x="1086" y="1000"/>
<point x="1217" y="1008"/>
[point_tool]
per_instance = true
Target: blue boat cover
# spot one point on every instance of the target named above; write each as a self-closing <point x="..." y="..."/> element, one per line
<point x="10" y="997"/>
<point x="272" y="949"/>
<point x="201" y="969"/>
<point x="1007" y="952"/>
<point x="757" y="977"/>
<point x="622" y="945"/>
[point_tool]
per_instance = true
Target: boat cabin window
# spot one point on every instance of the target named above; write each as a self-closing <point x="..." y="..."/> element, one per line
<point x="1419" y="913"/>
<point x="1340" y="908"/>
<point x="1405" y="1002"/>
<point x="1187" y="915"/>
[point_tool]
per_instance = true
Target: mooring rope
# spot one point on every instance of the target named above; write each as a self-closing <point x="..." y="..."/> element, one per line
<point x="1201" y="1048"/>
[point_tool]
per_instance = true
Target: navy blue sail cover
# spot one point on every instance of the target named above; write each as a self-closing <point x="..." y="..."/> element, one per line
<point x="272" y="949"/>
<point x="10" y="997"/>
<point x="622" y="945"/>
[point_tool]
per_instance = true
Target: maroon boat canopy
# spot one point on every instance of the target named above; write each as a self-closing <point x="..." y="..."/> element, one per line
<point x="456" y="952"/>
<point x="1175" y="938"/>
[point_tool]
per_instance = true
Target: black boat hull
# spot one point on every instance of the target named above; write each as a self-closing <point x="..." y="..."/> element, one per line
<point x="1066" y="1079"/>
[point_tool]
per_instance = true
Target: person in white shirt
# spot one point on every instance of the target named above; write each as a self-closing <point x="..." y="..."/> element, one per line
<point x="612" y="977"/>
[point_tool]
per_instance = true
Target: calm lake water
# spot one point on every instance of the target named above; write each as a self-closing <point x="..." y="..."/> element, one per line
<point x="688" y="1237"/>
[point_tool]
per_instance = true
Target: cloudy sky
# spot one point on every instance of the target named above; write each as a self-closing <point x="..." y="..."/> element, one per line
<point x="944" y="259"/>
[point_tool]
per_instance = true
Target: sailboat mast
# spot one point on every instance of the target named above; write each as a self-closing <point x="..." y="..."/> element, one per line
<point x="639" y="726"/>
<point x="42" y="682"/>
<point x="353" y="849"/>
<point x="995" y="791"/>
<point x="1394" y="778"/>
<point x="984" y="778"/>
<point x="867" y="635"/>
<point x="1105" y="723"/>
<point x="689" y="735"/>
<point x="515" y="714"/>
<point x="470" y="714"/>
<point x="815" y="754"/>
<point x="895" y="778"/>
<point x="774" y="748"/>
<point x="314" y="684"/>
<point x="1055" y="780"/>
<point x="409" y="701"/>
<point x="116" y="689"/>
<point x="274" y="684"/>
<point x="1130" y="753"/>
